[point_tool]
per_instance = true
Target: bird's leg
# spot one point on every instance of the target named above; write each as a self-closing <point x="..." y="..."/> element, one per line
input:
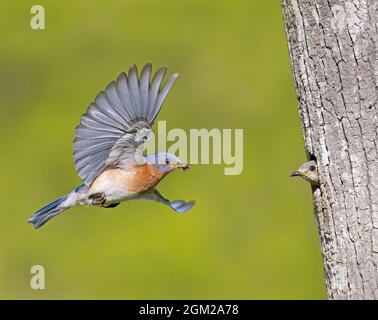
<point x="97" y="198"/>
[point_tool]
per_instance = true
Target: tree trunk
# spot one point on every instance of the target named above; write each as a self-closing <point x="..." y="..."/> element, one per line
<point x="333" y="50"/>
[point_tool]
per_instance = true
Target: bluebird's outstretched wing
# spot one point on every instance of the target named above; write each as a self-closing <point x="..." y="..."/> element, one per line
<point x="179" y="206"/>
<point x="107" y="133"/>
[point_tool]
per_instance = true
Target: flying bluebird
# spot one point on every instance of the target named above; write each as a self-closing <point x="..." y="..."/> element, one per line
<point x="108" y="147"/>
<point x="309" y="172"/>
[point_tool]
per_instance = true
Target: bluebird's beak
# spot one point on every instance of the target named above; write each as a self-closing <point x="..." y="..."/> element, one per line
<point x="295" y="174"/>
<point x="183" y="166"/>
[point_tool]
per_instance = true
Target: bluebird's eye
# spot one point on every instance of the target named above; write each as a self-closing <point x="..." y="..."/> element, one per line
<point x="312" y="168"/>
<point x="144" y="138"/>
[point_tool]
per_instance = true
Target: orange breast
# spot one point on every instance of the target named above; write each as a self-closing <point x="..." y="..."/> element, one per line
<point x="144" y="178"/>
<point x="141" y="179"/>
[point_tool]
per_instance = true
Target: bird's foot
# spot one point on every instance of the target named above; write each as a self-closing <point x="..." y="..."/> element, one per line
<point x="113" y="205"/>
<point x="97" y="198"/>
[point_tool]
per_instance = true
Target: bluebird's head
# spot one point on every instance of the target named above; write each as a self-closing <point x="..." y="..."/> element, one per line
<point x="166" y="162"/>
<point x="308" y="171"/>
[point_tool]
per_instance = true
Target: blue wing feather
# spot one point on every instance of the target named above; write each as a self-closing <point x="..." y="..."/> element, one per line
<point x="124" y="103"/>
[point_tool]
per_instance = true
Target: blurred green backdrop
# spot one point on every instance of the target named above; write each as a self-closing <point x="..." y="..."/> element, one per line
<point x="251" y="236"/>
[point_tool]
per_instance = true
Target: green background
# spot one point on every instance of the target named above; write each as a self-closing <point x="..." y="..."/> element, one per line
<point x="251" y="236"/>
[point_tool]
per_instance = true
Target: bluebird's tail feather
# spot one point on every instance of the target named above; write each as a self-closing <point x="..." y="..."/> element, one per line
<point x="48" y="212"/>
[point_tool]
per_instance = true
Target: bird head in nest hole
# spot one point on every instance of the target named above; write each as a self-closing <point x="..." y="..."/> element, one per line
<point x="309" y="172"/>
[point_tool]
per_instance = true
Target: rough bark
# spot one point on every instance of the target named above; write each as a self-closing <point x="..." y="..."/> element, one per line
<point x="334" y="57"/>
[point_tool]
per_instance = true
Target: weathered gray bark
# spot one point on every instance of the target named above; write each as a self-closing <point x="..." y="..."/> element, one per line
<point x="333" y="48"/>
